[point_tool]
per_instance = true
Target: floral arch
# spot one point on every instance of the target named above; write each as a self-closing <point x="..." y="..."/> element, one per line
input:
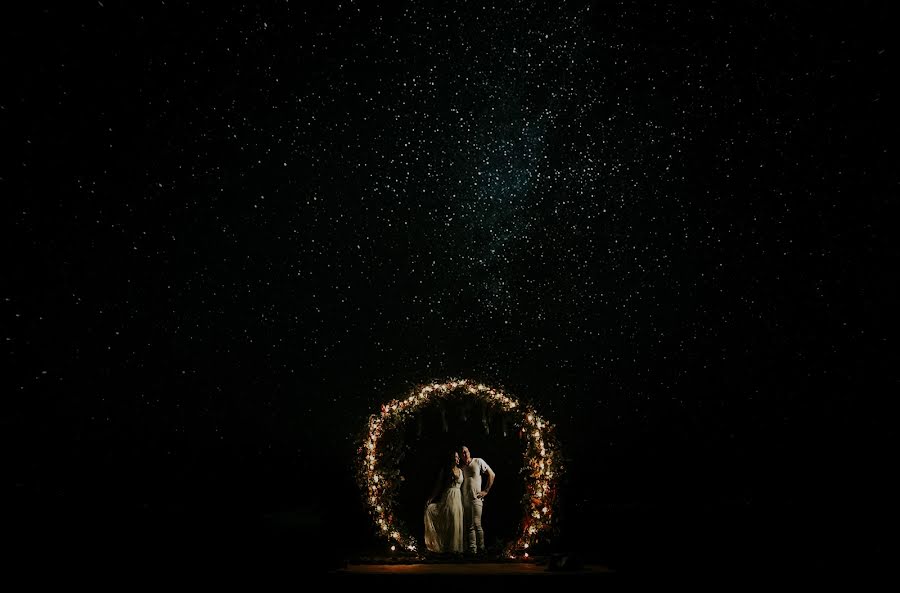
<point x="542" y="464"/>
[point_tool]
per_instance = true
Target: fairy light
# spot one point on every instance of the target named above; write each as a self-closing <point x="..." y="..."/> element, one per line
<point x="379" y="479"/>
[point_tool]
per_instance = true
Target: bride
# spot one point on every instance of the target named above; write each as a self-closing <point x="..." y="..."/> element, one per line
<point x="444" y="518"/>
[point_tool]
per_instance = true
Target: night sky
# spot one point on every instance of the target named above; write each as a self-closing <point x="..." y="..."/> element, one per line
<point x="232" y="233"/>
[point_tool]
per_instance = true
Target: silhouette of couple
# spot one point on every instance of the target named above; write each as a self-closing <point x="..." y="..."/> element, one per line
<point x="453" y="511"/>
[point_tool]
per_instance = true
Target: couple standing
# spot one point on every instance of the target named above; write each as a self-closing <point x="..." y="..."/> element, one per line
<point x="453" y="521"/>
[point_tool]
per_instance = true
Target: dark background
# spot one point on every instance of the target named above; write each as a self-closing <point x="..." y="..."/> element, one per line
<point x="232" y="233"/>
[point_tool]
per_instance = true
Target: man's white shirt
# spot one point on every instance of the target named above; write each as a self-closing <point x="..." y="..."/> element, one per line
<point x="472" y="472"/>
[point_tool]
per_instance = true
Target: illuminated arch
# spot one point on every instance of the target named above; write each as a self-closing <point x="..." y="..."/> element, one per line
<point x="542" y="467"/>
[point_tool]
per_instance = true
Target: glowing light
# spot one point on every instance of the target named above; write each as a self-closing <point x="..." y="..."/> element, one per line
<point x="379" y="480"/>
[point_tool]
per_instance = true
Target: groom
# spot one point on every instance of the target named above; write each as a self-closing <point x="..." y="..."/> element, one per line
<point x="473" y="498"/>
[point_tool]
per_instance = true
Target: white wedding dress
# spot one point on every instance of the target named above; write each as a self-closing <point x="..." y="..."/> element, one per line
<point x="444" y="520"/>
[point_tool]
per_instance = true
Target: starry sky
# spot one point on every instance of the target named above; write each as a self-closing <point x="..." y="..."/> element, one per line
<point x="232" y="233"/>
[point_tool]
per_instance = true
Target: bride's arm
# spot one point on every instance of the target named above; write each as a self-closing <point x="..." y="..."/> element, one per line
<point x="436" y="491"/>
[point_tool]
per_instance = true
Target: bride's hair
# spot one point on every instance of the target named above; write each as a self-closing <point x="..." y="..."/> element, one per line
<point x="451" y="456"/>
